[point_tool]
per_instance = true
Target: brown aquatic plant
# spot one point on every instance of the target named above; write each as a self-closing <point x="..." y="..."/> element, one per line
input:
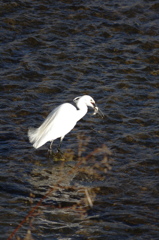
<point x="93" y="165"/>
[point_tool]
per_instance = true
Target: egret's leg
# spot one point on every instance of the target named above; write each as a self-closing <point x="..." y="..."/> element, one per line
<point x="50" y="148"/>
<point x="51" y="145"/>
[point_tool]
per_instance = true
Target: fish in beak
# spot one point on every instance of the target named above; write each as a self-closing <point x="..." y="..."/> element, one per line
<point x="98" y="111"/>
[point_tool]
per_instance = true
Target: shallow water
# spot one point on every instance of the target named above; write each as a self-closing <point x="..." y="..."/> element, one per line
<point x="51" y="52"/>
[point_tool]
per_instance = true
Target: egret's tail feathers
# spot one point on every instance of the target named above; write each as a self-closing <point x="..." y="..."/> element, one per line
<point x="33" y="137"/>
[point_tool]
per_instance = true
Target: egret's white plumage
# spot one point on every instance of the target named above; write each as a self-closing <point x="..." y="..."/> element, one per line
<point x="61" y="121"/>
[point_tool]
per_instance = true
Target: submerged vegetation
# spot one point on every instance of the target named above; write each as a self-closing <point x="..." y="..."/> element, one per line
<point x="90" y="166"/>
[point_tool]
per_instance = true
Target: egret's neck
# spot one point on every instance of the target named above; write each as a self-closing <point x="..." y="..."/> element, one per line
<point x="81" y="111"/>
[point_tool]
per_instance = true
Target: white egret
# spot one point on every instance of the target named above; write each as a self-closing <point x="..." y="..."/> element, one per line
<point x="61" y="121"/>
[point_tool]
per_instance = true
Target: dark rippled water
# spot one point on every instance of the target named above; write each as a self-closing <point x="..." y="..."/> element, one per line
<point x="51" y="52"/>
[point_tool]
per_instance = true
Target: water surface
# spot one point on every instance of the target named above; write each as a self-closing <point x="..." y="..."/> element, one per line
<point x="51" y="52"/>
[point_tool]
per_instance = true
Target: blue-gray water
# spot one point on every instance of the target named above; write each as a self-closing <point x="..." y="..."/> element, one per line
<point x="51" y="52"/>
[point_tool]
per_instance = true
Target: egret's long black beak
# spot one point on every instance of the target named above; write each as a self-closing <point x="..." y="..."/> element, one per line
<point x="97" y="110"/>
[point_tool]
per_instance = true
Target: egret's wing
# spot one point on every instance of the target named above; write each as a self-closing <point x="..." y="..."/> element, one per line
<point x="36" y="134"/>
<point x="55" y="125"/>
<point x="49" y="124"/>
<point x="49" y="121"/>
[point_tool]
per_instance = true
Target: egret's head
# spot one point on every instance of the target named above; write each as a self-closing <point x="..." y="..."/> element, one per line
<point x="86" y="99"/>
<point x="89" y="101"/>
